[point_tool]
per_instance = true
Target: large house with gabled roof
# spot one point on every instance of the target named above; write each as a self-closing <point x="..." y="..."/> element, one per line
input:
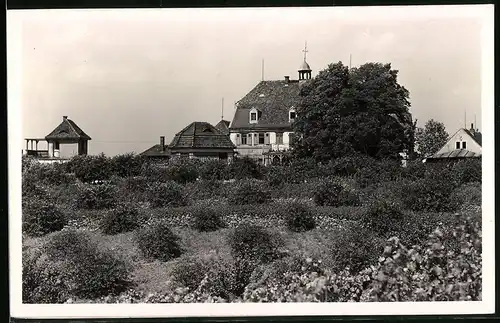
<point x="262" y="124"/>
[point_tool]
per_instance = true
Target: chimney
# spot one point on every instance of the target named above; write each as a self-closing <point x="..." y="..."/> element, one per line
<point x="65" y="118"/>
<point x="287" y="79"/>
<point x="162" y="143"/>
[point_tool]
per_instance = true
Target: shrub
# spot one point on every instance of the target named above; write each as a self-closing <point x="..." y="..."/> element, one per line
<point x="332" y="193"/>
<point x="52" y="174"/>
<point x="96" y="197"/>
<point x="253" y="242"/>
<point x="214" y="170"/>
<point x="68" y="244"/>
<point x="465" y="195"/>
<point x="276" y="176"/>
<point x="207" y="219"/>
<point x="91" y="168"/>
<point x="124" y="218"/>
<point x="354" y="247"/>
<point x="300" y="170"/>
<point x="225" y="278"/>
<point x="447" y="268"/>
<point x="181" y="171"/>
<point x="384" y="217"/>
<point x="299" y="217"/>
<point x="157" y="241"/>
<point x="467" y="171"/>
<point x="189" y="272"/>
<point x="166" y="194"/>
<point x="245" y="168"/>
<point x="249" y="192"/>
<point x="91" y="272"/>
<point x="414" y="170"/>
<point x="126" y="165"/>
<point x="428" y="194"/>
<point x="43" y="281"/>
<point x="348" y="165"/>
<point x="135" y="188"/>
<point x="379" y="171"/>
<point x="41" y="217"/>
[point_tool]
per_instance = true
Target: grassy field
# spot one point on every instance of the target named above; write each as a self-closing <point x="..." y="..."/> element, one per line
<point x="328" y="232"/>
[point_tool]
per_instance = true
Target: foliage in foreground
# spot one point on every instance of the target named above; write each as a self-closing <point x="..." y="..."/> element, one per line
<point x="157" y="241"/>
<point x="72" y="266"/>
<point x="41" y="217"/>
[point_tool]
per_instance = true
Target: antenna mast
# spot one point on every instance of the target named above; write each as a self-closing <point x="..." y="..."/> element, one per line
<point x="222" y="112"/>
<point x="262" y="69"/>
<point x="465" y="119"/>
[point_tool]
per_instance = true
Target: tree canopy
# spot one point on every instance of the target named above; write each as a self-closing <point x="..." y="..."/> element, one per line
<point x="431" y="138"/>
<point x="353" y="111"/>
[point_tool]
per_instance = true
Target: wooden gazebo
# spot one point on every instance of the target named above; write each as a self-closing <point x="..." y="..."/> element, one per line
<point x="65" y="133"/>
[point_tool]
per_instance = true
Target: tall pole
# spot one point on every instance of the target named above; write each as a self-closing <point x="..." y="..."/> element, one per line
<point x="465" y="119"/>
<point x="222" y="110"/>
<point x="350" y="60"/>
<point x="262" y="69"/>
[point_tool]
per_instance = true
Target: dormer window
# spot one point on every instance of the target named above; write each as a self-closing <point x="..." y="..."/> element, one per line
<point x="292" y="114"/>
<point x="254" y="115"/>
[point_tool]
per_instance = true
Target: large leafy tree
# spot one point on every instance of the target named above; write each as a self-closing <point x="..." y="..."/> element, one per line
<point x="353" y="111"/>
<point x="431" y="138"/>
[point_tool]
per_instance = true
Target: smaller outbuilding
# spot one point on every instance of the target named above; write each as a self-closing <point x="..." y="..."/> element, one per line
<point x="199" y="140"/>
<point x="464" y="144"/>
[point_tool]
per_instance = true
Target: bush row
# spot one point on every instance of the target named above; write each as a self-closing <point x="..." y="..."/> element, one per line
<point x="366" y="170"/>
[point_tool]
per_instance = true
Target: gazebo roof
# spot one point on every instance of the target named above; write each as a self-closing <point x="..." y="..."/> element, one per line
<point x="67" y="130"/>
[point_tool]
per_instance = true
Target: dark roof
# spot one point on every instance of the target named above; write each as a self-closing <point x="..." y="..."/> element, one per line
<point x="67" y="130"/>
<point x="223" y="126"/>
<point x="156" y="151"/>
<point x="476" y="135"/>
<point x="457" y="153"/>
<point x="200" y="135"/>
<point x="273" y="99"/>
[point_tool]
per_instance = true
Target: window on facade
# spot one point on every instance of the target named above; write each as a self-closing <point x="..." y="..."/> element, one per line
<point x="244" y="139"/>
<point x="464" y="145"/>
<point x="291" y="137"/>
<point x="292" y="115"/>
<point x="279" y="138"/>
<point x="261" y="138"/>
<point x="253" y="116"/>
<point x="255" y="139"/>
<point x="267" y="140"/>
<point x="457" y="145"/>
<point x="238" y="139"/>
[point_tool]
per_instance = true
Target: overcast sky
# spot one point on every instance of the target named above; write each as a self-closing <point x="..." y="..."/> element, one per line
<point x="126" y="77"/>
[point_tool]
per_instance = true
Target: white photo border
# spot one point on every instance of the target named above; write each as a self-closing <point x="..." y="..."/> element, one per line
<point x="75" y="311"/>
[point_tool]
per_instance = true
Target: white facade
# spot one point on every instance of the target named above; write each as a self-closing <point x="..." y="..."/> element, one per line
<point x="461" y="140"/>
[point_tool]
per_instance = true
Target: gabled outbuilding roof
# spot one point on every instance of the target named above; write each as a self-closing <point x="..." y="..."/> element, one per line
<point x="67" y="130"/>
<point x="273" y="99"/>
<point x="200" y="135"/>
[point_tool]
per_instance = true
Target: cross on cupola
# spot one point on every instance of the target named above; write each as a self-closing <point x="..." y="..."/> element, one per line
<point x="305" y="51"/>
<point x="305" y="69"/>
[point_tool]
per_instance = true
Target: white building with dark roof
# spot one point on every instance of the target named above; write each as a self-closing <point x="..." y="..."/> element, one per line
<point x="262" y="124"/>
<point x="464" y="144"/>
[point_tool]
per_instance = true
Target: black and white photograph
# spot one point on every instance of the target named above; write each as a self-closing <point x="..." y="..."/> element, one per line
<point x="283" y="161"/>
